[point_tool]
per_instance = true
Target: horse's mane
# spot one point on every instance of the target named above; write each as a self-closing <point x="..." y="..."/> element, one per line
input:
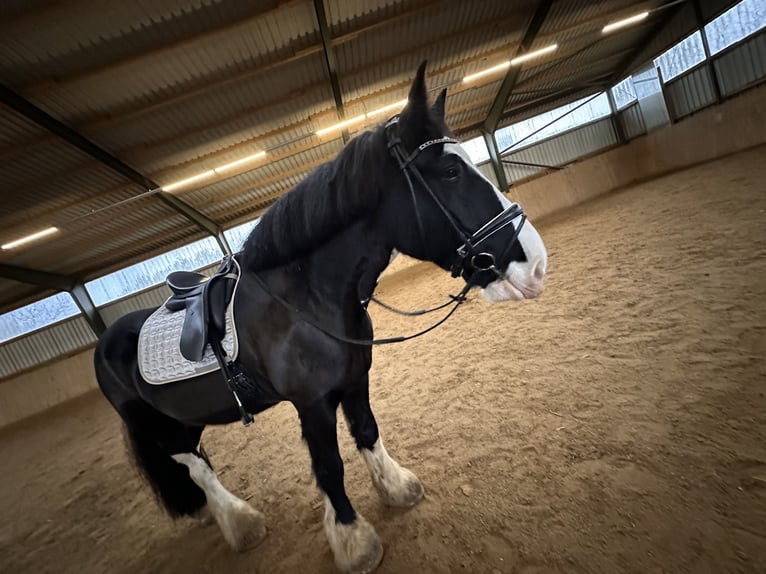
<point x="327" y="201"/>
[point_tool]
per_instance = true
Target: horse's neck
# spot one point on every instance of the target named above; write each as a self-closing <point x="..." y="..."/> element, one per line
<point x="346" y="268"/>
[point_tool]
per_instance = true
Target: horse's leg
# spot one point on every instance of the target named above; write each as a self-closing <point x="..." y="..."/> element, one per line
<point x="242" y="526"/>
<point x="354" y="542"/>
<point x="397" y="486"/>
<point x="164" y="449"/>
<point x="205" y="516"/>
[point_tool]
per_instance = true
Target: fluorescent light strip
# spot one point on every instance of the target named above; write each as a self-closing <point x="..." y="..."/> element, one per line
<point x="188" y="180"/>
<point x="532" y="55"/>
<point x="361" y="117"/>
<point x="494" y="69"/>
<point x="389" y="108"/>
<point x="29" y="238"/>
<point x="625" y="22"/>
<point x="211" y="172"/>
<point x="341" y="125"/>
<point x="240" y="162"/>
<point x="508" y="63"/>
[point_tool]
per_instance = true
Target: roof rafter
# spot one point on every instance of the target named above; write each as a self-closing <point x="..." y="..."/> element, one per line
<point x="625" y="65"/>
<point x="51" y="124"/>
<point x="45" y="279"/>
<point x="330" y="61"/>
<point x="509" y="82"/>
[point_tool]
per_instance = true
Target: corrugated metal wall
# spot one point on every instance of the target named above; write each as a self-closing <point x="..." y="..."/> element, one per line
<point x="633" y="121"/>
<point x="561" y="149"/>
<point x="736" y="68"/>
<point x="741" y="65"/>
<point x="690" y="92"/>
<point x="73" y="334"/>
<point x="36" y="348"/>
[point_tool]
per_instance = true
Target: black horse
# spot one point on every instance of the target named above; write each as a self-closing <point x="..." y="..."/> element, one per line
<point x="407" y="186"/>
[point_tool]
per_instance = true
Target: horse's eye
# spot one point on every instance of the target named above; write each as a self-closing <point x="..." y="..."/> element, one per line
<point x="452" y="174"/>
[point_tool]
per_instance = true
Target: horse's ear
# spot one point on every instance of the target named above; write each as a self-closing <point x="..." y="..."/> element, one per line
<point x="417" y="120"/>
<point x="418" y="88"/>
<point x="416" y="116"/>
<point x="438" y="107"/>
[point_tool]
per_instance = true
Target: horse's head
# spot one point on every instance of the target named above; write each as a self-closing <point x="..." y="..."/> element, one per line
<point x="444" y="210"/>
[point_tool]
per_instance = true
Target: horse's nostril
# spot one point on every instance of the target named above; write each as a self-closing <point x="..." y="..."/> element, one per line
<point x="539" y="271"/>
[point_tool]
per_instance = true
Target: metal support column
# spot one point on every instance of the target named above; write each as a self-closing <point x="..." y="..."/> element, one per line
<point x="88" y="308"/>
<point x="512" y="76"/>
<point x="706" y="46"/>
<point x="619" y="128"/>
<point x="331" y="62"/>
<point x="68" y="283"/>
<point x="494" y="155"/>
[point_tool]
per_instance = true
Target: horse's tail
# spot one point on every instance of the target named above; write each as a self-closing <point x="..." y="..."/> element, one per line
<point x="151" y="436"/>
<point x="172" y="485"/>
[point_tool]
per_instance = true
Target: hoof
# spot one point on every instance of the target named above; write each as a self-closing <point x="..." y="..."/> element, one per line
<point x="396" y="485"/>
<point x="405" y="492"/>
<point x="243" y="527"/>
<point x="356" y="547"/>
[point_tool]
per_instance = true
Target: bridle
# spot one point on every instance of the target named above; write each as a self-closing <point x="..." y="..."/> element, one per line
<point x="470" y="261"/>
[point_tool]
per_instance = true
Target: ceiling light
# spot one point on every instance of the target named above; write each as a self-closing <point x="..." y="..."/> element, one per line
<point x="360" y="118"/>
<point x="487" y="72"/>
<point x="240" y="162"/>
<point x="625" y="22"/>
<point x="536" y="54"/>
<point x="188" y="180"/>
<point x="341" y="125"/>
<point x="29" y="238"/>
<point x="389" y="108"/>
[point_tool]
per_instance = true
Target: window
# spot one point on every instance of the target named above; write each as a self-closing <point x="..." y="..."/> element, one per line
<point x="646" y="83"/>
<point x="236" y="236"/>
<point x="37" y="315"/>
<point x="597" y="108"/>
<point x="153" y="271"/>
<point x="737" y="23"/>
<point x="624" y="93"/>
<point x="476" y="149"/>
<point x="681" y="57"/>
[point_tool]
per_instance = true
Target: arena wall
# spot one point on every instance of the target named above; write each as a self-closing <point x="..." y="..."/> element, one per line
<point x="37" y="390"/>
<point x="735" y="125"/>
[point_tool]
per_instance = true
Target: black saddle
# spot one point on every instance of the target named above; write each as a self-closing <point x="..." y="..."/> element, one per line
<point x="205" y="300"/>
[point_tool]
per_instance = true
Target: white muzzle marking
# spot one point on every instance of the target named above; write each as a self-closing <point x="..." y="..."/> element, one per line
<point x="522" y="279"/>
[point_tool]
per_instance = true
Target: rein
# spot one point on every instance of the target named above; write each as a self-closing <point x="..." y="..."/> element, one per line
<point x="410" y="313"/>
<point x="457" y="300"/>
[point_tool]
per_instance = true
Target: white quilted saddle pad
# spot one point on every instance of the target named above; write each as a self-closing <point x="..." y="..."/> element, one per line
<point x="159" y="354"/>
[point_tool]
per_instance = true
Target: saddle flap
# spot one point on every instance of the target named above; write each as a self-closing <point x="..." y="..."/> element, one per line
<point x="218" y="297"/>
<point x="194" y="330"/>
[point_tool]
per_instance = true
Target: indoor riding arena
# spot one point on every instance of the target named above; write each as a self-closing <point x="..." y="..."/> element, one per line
<point x="614" y="424"/>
